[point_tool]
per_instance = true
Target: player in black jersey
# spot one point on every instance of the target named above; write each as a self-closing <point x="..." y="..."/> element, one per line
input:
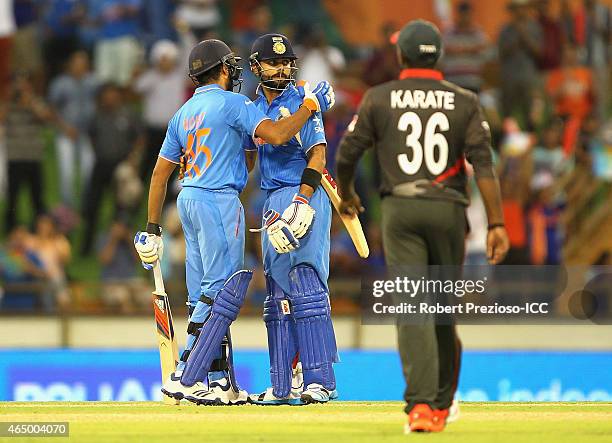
<point x="422" y="129"/>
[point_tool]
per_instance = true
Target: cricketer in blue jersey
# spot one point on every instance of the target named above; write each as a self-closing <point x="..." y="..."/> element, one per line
<point x="207" y="132"/>
<point x="297" y="312"/>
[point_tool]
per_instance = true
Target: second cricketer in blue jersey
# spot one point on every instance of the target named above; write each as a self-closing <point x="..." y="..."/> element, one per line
<point x="207" y="132"/>
<point x="297" y="312"/>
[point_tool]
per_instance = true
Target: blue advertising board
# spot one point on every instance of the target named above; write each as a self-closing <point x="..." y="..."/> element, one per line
<point x="127" y="375"/>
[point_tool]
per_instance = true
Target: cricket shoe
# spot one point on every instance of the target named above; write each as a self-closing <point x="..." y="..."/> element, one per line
<point x="420" y="419"/>
<point x="175" y="389"/>
<point x="453" y="412"/>
<point x="267" y="398"/>
<point x="442" y="417"/>
<point x="219" y="393"/>
<point x="316" y="393"/>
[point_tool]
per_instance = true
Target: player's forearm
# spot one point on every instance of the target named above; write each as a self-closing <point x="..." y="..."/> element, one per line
<point x="157" y="190"/>
<point x="280" y="132"/>
<point x="316" y="161"/>
<point x="349" y="154"/>
<point x="345" y="178"/>
<point x="157" y="196"/>
<point x="491" y="196"/>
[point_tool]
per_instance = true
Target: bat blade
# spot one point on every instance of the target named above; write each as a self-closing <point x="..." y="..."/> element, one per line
<point x="166" y="340"/>
<point x="351" y="222"/>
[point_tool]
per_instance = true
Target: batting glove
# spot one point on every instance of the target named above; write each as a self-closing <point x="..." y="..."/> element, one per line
<point x="150" y="248"/>
<point x="299" y="215"/>
<point x="279" y="232"/>
<point x="321" y="99"/>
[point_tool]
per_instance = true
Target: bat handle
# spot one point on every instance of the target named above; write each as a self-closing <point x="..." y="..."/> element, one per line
<point x="159" y="280"/>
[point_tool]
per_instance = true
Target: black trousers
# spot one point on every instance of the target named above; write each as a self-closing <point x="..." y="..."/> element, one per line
<point x="101" y="180"/>
<point x="421" y="233"/>
<point x="22" y="173"/>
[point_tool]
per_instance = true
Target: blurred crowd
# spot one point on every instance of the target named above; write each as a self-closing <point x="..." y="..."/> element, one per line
<point x="88" y="86"/>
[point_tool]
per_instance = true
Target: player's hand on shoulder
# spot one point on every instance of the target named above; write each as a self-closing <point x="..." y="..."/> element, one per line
<point x="320" y="99"/>
<point x="150" y="248"/>
<point x="299" y="215"/>
<point x="279" y="232"/>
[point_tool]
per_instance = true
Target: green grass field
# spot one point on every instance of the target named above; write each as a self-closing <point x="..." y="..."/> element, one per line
<point x="338" y="422"/>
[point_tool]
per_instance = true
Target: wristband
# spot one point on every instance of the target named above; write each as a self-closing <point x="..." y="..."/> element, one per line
<point x="495" y="225"/>
<point x="300" y="198"/>
<point x="311" y="177"/>
<point x="154" y="228"/>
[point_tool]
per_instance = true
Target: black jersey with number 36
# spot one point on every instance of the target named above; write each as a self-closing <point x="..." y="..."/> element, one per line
<point x="422" y="129"/>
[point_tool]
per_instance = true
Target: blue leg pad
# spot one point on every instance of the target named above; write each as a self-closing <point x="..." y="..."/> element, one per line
<point x="316" y="337"/>
<point x="282" y="337"/>
<point x="225" y="309"/>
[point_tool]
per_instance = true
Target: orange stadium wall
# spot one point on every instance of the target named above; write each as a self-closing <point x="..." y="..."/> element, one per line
<point x="360" y="21"/>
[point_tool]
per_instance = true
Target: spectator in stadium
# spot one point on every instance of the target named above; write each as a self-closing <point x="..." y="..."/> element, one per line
<point x="128" y="187"/>
<point x="543" y="221"/>
<point x="20" y="270"/>
<point x="257" y="21"/>
<point x="515" y="169"/>
<point x="60" y="32"/>
<point x="7" y="31"/>
<point x="162" y="88"/>
<point x="157" y="21"/>
<point x="382" y="65"/>
<point x="202" y="16"/>
<point x="73" y="97"/>
<point x="548" y="156"/>
<point x="319" y="61"/>
<point x="54" y="251"/>
<point x="465" y="50"/>
<point x="591" y="31"/>
<point x="26" y="55"/>
<point x="571" y="87"/>
<point x="117" y="50"/>
<point x="520" y="46"/>
<point x="26" y="117"/>
<point x="572" y="90"/>
<point x="553" y="38"/>
<point x="115" y="132"/>
<point x="121" y="288"/>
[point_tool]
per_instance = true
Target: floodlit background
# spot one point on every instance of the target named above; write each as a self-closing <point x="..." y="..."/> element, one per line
<point x="75" y="315"/>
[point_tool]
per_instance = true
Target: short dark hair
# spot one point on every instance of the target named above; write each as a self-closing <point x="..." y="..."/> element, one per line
<point x="210" y="75"/>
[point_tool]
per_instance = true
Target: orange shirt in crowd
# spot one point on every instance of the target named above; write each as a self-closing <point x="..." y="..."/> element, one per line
<point x="572" y="91"/>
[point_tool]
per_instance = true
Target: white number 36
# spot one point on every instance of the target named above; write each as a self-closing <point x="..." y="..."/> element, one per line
<point x="436" y="164"/>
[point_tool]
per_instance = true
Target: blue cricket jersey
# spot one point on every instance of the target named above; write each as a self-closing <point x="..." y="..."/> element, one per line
<point x="208" y="129"/>
<point x="282" y="166"/>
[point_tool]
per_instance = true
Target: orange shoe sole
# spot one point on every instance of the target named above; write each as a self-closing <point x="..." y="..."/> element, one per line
<point x="421" y="425"/>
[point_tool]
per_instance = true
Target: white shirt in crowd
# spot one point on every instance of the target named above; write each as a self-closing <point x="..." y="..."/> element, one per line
<point x="162" y="93"/>
<point x="7" y="19"/>
<point x="318" y="64"/>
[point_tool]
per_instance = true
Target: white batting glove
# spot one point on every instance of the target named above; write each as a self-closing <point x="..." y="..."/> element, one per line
<point x="279" y="232"/>
<point x="150" y="248"/>
<point x="299" y="214"/>
<point x="321" y="99"/>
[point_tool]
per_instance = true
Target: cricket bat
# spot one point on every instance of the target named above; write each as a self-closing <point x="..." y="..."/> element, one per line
<point x="168" y="348"/>
<point x="351" y="223"/>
